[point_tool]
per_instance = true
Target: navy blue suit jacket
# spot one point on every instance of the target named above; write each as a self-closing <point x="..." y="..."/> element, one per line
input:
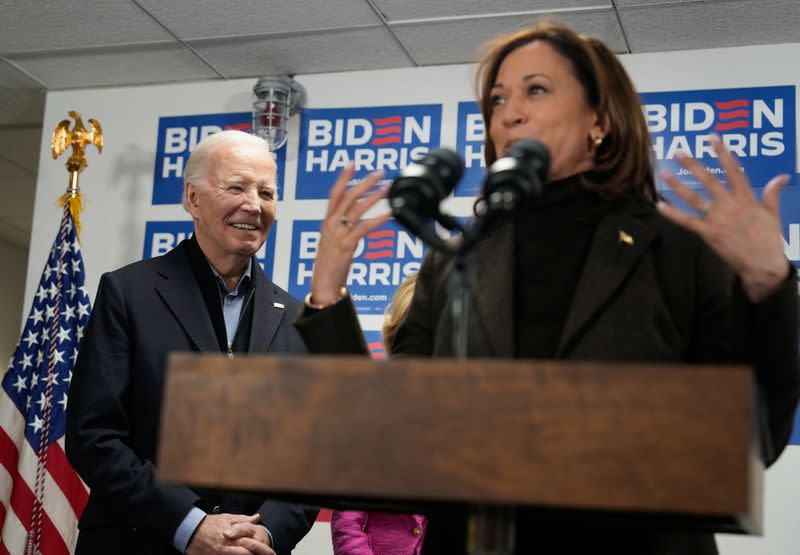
<point x="143" y="312"/>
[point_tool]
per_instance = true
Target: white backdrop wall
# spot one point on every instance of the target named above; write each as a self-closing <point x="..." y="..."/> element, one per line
<point x="12" y="281"/>
<point x="118" y="184"/>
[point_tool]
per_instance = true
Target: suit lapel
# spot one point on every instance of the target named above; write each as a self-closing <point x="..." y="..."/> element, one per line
<point x="266" y="316"/>
<point x="619" y="242"/>
<point x="181" y="293"/>
<point x="493" y="295"/>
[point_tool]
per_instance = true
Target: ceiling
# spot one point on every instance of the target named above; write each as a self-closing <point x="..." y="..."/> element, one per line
<point x="61" y="44"/>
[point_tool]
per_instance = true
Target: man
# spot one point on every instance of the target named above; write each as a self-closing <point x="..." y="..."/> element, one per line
<point x="207" y="295"/>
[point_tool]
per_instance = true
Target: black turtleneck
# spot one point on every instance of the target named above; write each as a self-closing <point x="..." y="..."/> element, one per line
<point x="552" y="237"/>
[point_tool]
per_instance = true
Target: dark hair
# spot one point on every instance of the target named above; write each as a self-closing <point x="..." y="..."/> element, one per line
<point x="623" y="163"/>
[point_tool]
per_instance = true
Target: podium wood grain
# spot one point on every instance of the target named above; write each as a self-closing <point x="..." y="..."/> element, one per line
<point x="634" y="438"/>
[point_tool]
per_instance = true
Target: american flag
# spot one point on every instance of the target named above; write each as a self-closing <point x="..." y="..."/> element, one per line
<point x="41" y="496"/>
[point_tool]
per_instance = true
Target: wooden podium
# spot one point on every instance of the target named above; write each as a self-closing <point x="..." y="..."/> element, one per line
<point x="655" y="443"/>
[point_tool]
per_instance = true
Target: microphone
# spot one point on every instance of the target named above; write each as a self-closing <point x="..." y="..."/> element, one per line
<point x="416" y="192"/>
<point x="517" y="176"/>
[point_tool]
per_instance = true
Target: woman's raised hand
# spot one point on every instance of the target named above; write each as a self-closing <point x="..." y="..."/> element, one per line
<point x="744" y="232"/>
<point x="341" y="231"/>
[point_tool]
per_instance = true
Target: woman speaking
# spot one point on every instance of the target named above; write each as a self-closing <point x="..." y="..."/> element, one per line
<point x="597" y="268"/>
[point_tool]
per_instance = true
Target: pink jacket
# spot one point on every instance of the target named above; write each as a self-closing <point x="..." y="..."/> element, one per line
<point x="371" y="533"/>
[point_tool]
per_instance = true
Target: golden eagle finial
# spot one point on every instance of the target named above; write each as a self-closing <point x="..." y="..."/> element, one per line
<point x="78" y="138"/>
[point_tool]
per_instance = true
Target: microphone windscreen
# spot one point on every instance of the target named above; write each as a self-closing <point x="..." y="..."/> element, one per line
<point x="533" y="154"/>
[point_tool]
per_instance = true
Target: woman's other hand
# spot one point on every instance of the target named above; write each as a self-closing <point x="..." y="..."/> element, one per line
<point x="744" y="232"/>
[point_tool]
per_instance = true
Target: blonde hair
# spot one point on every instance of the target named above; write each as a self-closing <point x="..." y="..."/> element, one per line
<point x="396" y="311"/>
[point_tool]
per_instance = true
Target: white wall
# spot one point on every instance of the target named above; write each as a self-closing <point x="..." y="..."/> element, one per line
<point x="12" y="287"/>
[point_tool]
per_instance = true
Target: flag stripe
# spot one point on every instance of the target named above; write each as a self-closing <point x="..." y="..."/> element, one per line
<point x="22" y="509"/>
<point x="51" y="542"/>
<point x="13" y="534"/>
<point x="8" y="453"/>
<point x="56" y="504"/>
<point x="69" y="484"/>
<point x="12" y="426"/>
<point x="66" y="478"/>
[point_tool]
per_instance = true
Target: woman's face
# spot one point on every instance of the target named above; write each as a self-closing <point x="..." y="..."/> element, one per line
<point x="537" y="96"/>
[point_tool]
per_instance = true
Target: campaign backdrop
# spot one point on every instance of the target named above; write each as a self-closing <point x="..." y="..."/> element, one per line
<point x="382" y="120"/>
<point x="178" y="135"/>
<point x="371" y="138"/>
<point x="160" y="237"/>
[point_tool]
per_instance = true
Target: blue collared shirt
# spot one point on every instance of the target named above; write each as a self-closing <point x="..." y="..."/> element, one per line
<point x="233" y="301"/>
<point x="232" y="304"/>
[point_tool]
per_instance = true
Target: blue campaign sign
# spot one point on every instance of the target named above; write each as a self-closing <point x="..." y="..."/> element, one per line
<point x="160" y="237"/>
<point x="470" y="135"/>
<point x="382" y="261"/>
<point x="372" y="138"/>
<point x="374" y="340"/>
<point x="177" y="137"/>
<point x="790" y="222"/>
<point x="757" y="124"/>
<point x="795" y="438"/>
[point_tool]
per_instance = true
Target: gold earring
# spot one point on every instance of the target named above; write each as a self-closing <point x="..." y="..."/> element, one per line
<point x="598" y="141"/>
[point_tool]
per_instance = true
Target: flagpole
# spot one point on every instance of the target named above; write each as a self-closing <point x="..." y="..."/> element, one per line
<point x="63" y="281"/>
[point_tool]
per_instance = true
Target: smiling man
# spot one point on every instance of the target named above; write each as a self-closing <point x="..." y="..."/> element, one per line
<point x="210" y="295"/>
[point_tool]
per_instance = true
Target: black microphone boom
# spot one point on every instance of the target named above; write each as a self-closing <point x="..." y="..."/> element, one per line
<point x="517" y="176"/>
<point x="510" y="181"/>
<point x="416" y="192"/>
<point x="423" y="184"/>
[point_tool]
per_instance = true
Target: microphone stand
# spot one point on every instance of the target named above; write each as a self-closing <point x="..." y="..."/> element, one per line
<point x="461" y="280"/>
<point x="485" y="529"/>
<point x="490" y="530"/>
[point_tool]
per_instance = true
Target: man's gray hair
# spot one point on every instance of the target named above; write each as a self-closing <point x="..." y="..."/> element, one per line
<point x="196" y="171"/>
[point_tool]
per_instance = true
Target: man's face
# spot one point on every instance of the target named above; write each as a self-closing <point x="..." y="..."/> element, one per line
<point x="234" y="211"/>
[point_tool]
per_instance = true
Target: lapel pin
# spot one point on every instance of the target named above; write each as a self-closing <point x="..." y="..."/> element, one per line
<point x="625" y="238"/>
<point x="278" y="305"/>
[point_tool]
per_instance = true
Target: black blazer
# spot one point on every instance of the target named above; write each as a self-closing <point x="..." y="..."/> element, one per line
<point x="142" y="312"/>
<point x="649" y="291"/>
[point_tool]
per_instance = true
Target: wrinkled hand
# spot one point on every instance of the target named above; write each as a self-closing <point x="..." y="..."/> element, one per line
<point x="341" y="231"/>
<point x="746" y="234"/>
<point x="211" y="537"/>
<point x="247" y="535"/>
